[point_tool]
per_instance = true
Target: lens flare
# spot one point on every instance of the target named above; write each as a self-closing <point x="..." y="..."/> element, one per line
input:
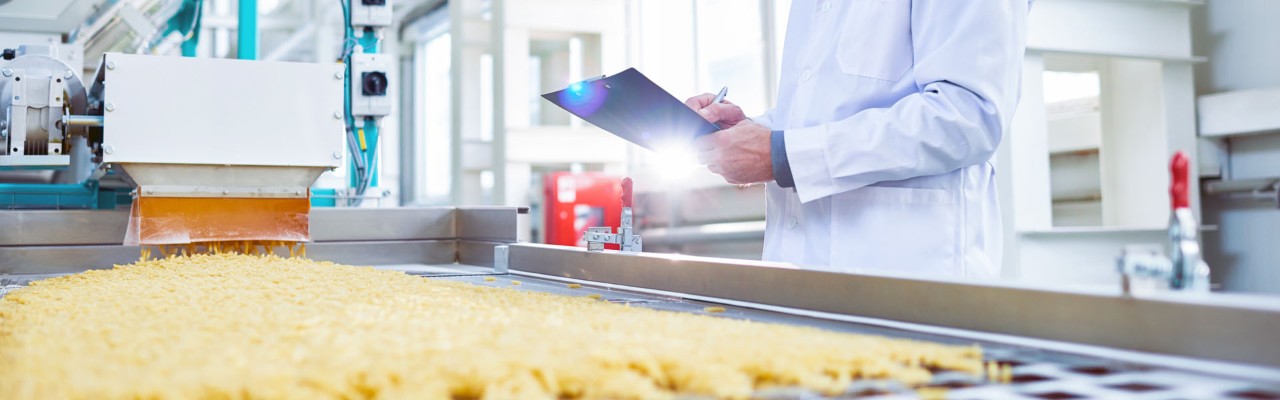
<point x="584" y="98"/>
<point x="675" y="160"/>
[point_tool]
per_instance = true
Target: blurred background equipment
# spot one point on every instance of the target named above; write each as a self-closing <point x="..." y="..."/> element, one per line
<point x="574" y="202"/>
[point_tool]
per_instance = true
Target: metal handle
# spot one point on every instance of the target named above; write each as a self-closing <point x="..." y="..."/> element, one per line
<point x="626" y="192"/>
<point x="1178" y="184"/>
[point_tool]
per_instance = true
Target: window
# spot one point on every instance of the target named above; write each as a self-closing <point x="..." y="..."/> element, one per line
<point x="434" y="123"/>
<point x="731" y="52"/>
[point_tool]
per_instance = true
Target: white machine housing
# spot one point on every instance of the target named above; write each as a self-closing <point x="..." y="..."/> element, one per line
<point x="203" y="127"/>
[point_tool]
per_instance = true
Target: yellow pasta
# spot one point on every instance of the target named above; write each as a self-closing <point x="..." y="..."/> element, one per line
<point x="262" y="326"/>
<point x="574" y="286"/>
<point x="713" y="309"/>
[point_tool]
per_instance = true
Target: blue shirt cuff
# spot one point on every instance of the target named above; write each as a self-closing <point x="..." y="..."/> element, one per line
<point x="778" y="154"/>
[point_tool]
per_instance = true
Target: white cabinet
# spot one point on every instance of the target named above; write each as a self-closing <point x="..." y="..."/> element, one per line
<point x="1083" y="162"/>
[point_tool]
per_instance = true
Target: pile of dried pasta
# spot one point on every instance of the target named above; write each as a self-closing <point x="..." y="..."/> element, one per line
<point x="238" y="326"/>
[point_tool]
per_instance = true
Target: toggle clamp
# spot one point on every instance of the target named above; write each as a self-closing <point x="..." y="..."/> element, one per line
<point x="597" y="237"/>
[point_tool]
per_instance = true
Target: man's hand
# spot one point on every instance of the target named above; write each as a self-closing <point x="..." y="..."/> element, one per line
<point x="724" y="114"/>
<point x="740" y="154"/>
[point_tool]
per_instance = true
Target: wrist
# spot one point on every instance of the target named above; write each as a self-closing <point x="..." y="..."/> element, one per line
<point x="778" y="156"/>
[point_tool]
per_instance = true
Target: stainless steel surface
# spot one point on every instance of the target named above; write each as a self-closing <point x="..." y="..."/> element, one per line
<point x="487" y="223"/>
<point x="258" y="192"/>
<point x="1236" y="328"/>
<point x="63" y="259"/>
<point x="43" y="242"/>
<point x="477" y="252"/>
<point x="1216" y="186"/>
<point x="358" y="224"/>
<point x="62" y="227"/>
<point x="76" y="227"/>
<point x="208" y="180"/>
<point x="385" y="252"/>
<point x="501" y="259"/>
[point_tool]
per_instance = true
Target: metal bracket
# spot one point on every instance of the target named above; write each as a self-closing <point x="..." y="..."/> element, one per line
<point x="222" y="191"/>
<point x="597" y="237"/>
<point x="501" y="258"/>
<point x="1142" y="264"/>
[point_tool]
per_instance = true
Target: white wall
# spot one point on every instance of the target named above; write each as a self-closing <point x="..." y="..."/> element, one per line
<point x="1241" y="39"/>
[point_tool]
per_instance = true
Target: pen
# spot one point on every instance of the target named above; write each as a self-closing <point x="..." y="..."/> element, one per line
<point x="720" y="97"/>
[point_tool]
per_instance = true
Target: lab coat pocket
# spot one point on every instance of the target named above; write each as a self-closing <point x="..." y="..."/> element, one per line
<point x="895" y="229"/>
<point x="876" y="40"/>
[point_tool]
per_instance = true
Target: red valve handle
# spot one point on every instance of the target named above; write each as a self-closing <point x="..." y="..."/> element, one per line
<point x="1178" y="184"/>
<point x="626" y="192"/>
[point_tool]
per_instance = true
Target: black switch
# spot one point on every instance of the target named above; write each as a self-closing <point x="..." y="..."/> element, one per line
<point x="9" y="54"/>
<point x="374" y="2"/>
<point x="373" y="83"/>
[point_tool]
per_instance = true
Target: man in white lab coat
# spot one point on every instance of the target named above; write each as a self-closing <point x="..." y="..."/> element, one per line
<point x="878" y="154"/>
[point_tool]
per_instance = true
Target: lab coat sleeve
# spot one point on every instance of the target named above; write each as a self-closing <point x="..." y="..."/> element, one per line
<point x="968" y="62"/>
<point x="765" y="119"/>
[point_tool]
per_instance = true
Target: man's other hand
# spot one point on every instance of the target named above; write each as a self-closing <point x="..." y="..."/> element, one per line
<point x="724" y="114"/>
<point x="740" y="154"/>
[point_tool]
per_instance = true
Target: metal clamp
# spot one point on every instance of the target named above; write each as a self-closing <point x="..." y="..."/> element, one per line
<point x="1182" y="269"/>
<point x="597" y="237"/>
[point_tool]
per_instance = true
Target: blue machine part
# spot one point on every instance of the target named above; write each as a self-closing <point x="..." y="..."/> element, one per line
<point x="362" y="131"/>
<point x="60" y="196"/>
<point x="365" y="133"/>
<point x="324" y="197"/>
<point x="247" y="31"/>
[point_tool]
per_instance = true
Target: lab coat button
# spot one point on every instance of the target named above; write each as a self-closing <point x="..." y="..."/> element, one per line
<point x="804" y="76"/>
<point x="792" y="222"/>
<point x="826" y="6"/>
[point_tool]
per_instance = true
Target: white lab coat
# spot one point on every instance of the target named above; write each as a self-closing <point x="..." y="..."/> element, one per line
<point x="892" y="111"/>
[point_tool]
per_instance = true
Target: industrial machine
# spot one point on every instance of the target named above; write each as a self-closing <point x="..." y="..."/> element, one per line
<point x="205" y="149"/>
<point x="182" y="142"/>
<point x="574" y="202"/>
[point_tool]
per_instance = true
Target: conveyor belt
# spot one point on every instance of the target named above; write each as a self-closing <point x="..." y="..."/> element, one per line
<point x="1037" y="373"/>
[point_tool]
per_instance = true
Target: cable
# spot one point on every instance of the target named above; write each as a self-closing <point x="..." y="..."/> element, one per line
<point x="195" y="21"/>
<point x="359" y="169"/>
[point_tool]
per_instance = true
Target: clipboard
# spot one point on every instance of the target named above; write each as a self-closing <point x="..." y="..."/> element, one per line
<point x="632" y="107"/>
